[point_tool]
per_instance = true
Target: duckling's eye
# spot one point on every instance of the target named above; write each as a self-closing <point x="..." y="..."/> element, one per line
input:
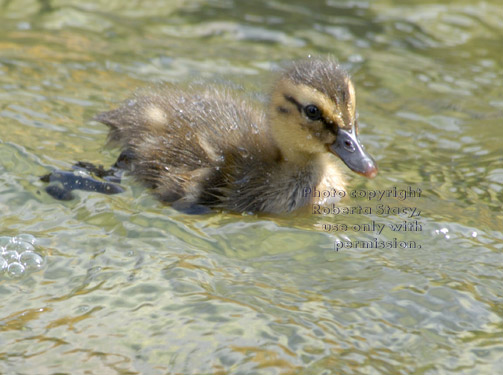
<point x="312" y="112"/>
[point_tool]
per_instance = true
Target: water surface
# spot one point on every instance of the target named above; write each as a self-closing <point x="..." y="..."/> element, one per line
<point x="129" y="286"/>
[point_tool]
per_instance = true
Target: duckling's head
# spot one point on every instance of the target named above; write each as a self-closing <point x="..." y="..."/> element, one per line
<point x="313" y="111"/>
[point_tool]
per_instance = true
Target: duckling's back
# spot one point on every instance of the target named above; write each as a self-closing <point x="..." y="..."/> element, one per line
<point x="190" y="144"/>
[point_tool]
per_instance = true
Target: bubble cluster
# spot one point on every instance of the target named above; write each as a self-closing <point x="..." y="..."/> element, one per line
<point x="18" y="255"/>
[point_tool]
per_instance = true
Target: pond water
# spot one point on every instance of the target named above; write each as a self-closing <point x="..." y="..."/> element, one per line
<point x="125" y="285"/>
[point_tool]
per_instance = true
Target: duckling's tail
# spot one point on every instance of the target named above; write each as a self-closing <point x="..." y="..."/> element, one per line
<point x="115" y="121"/>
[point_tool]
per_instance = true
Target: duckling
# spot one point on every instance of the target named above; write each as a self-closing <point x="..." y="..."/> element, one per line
<point x="206" y="148"/>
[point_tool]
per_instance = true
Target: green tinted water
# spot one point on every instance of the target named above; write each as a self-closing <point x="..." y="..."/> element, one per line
<point x="132" y="287"/>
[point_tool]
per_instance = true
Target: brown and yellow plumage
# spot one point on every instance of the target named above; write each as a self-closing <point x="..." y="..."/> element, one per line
<point x="206" y="147"/>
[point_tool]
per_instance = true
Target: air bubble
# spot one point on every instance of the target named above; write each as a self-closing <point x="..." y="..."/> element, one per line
<point x="17" y="255"/>
<point x="11" y="256"/>
<point x="243" y="152"/>
<point x="31" y="260"/>
<point x="15" y="269"/>
<point x="26" y="238"/>
<point x="20" y="246"/>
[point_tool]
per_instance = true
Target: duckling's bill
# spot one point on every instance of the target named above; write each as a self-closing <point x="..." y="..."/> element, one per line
<point x="347" y="146"/>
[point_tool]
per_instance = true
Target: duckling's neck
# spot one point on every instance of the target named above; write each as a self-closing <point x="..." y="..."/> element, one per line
<point x="298" y="158"/>
<point x="332" y="178"/>
<point x="323" y="167"/>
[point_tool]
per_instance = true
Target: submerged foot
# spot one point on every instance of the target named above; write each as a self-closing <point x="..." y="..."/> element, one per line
<point x="85" y="176"/>
<point x="190" y="208"/>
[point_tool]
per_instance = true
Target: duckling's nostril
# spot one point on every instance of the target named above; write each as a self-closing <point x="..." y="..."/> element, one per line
<point x="348" y="145"/>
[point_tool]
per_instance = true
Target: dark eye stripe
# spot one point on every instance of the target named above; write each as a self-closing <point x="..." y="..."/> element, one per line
<point x="332" y="128"/>
<point x="326" y="124"/>
<point x="292" y="100"/>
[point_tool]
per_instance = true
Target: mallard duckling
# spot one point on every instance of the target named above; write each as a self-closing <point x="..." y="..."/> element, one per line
<point x="204" y="147"/>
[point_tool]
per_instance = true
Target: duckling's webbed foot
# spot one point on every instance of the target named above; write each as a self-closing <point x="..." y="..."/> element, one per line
<point x="85" y="176"/>
<point x="112" y="175"/>
<point x="190" y="208"/>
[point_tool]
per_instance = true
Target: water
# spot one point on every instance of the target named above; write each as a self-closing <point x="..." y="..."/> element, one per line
<point x="128" y="286"/>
